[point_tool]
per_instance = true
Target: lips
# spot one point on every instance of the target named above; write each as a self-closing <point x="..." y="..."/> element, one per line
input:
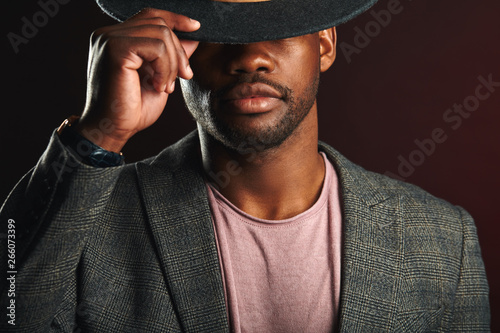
<point x="251" y="98"/>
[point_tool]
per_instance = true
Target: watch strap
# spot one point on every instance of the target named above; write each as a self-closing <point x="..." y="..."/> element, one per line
<point x="86" y="150"/>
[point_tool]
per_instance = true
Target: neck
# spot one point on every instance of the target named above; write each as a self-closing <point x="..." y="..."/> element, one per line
<point x="273" y="184"/>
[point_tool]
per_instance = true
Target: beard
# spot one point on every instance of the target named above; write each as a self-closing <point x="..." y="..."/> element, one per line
<point x="202" y="104"/>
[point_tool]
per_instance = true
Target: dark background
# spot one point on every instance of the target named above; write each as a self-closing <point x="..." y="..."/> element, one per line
<point x="373" y="103"/>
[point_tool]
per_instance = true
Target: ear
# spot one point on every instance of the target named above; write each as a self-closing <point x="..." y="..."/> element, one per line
<point x="327" y="48"/>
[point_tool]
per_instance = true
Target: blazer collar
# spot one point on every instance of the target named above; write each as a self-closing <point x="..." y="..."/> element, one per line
<point x="178" y="212"/>
<point x="176" y="203"/>
<point x="373" y="254"/>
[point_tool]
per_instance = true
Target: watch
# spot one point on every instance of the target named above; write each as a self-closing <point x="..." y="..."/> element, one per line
<point x="86" y="150"/>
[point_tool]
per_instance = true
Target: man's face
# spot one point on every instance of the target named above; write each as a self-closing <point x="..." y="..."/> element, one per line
<point x="257" y="92"/>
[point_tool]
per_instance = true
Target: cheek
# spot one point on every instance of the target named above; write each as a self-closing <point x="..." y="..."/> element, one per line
<point x="205" y="76"/>
<point x="206" y="64"/>
<point x="301" y="65"/>
<point x="304" y="75"/>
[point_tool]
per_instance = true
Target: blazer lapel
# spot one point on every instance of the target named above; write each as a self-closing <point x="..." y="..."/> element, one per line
<point x="178" y="212"/>
<point x="372" y="252"/>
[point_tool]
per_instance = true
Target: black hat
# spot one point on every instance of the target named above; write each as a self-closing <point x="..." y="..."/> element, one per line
<point x="234" y="21"/>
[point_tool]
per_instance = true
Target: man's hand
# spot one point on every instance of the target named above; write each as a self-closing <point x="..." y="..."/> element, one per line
<point x="132" y="70"/>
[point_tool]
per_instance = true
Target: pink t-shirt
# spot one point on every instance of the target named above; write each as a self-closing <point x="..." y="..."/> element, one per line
<point x="281" y="275"/>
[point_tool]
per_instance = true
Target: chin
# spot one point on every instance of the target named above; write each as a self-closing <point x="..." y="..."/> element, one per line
<point x="250" y="138"/>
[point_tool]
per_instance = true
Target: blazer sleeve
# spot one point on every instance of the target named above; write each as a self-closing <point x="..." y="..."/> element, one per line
<point x="45" y="222"/>
<point x="471" y="311"/>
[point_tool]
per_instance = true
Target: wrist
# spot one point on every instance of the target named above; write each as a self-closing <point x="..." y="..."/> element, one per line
<point x="101" y="134"/>
<point x="88" y="152"/>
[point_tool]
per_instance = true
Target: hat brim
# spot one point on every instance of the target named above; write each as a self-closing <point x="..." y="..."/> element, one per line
<point x="232" y="22"/>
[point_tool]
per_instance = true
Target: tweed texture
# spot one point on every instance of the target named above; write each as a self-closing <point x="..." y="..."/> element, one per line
<point x="132" y="249"/>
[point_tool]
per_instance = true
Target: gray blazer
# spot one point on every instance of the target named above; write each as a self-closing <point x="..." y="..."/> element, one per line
<point x="132" y="249"/>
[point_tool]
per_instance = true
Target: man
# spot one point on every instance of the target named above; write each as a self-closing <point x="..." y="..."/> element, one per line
<point x="245" y="225"/>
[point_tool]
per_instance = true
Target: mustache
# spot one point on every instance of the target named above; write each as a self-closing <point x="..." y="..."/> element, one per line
<point x="285" y="92"/>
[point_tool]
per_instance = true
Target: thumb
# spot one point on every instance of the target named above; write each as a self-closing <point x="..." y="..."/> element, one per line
<point x="189" y="46"/>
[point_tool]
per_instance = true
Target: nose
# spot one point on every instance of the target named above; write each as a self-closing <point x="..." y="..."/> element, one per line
<point x="249" y="58"/>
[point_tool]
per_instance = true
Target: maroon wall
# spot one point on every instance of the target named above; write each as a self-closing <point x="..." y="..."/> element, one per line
<point x="403" y="98"/>
<point x="407" y="104"/>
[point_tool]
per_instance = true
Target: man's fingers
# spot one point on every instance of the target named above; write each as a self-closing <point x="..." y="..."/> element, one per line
<point x="166" y="67"/>
<point x="139" y="53"/>
<point x="170" y="63"/>
<point x="189" y="46"/>
<point x="149" y="35"/>
<point x="172" y="20"/>
<point x="185" y="70"/>
<point x="156" y="45"/>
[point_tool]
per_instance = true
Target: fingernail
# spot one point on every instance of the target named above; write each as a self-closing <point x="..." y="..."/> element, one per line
<point x="195" y="21"/>
<point x="172" y="86"/>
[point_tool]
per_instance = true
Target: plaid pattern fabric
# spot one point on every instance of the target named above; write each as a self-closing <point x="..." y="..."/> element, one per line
<point x="132" y="249"/>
